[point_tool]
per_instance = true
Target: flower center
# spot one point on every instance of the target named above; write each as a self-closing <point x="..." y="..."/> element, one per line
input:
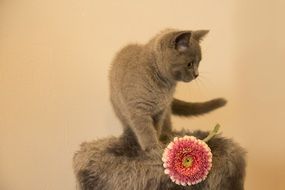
<point x="187" y="161"/>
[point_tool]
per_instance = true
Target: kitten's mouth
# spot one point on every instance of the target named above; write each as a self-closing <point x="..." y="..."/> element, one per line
<point x="183" y="76"/>
<point x="189" y="75"/>
<point x="187" y="79"/>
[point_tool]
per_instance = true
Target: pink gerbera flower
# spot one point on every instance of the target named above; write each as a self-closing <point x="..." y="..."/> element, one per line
<point x="188" y="160"/>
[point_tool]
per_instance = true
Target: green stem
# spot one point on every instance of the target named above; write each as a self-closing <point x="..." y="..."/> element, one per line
<point x="212" y="133"/>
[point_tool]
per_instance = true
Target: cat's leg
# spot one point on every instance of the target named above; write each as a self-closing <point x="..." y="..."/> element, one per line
<point x="183" y="108"/>
<point x="167" y="124"/>
<point x="166" y="128"/>
<point x="159" y="120"/>
<point x="142" y="125"/>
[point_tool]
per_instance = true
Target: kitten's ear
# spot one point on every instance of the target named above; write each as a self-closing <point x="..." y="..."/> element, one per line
<point x="199" y="34"/>
<point x="182" y="41"/>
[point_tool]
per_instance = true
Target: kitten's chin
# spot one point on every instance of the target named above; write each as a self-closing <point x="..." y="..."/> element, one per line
<point x="187" y="79"/>
<point x="184" y="79"/>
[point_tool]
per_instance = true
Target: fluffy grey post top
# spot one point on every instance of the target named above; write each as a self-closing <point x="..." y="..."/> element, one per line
<point x="120" y="164"/>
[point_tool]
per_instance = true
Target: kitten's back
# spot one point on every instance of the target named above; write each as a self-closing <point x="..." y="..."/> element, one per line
<point x="127" y="55"/>
<point x="127" y="65"/>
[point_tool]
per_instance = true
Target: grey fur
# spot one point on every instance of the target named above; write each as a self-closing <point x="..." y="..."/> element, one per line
<point x="183" y="108"/>
<point x="143" y="80"/>
<point x="120" y="164"/>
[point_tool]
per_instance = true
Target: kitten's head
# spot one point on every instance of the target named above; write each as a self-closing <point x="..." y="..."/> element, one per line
<point x="179" y="54"/>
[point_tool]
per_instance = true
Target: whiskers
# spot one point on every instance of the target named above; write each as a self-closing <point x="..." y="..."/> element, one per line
<point x="200" y="81"/>
<point x="201" y="84"/>
<point x="203" y="77"/>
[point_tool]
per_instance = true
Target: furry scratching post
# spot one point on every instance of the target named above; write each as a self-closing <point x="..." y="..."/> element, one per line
<point x="118" y="163"/>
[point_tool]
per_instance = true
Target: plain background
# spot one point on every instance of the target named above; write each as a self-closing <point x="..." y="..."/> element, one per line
<point x="54" y="62"/>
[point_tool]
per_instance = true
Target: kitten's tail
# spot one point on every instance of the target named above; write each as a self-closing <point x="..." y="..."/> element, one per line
<point x="182" y="108"/>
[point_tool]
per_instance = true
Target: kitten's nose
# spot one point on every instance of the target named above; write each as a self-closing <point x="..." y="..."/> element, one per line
<point x="196" y="73"/>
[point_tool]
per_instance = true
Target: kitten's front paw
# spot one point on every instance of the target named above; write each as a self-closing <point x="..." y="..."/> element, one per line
<point x="155" y="153"/>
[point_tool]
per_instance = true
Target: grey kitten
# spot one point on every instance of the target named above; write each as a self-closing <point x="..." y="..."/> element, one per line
<point x="143" y="80"/>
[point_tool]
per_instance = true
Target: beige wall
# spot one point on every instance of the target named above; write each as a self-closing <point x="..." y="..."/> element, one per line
<point x="54" y="60"/>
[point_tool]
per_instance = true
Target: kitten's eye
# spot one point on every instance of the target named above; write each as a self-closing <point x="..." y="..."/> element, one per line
<point x="191" y="64"/>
